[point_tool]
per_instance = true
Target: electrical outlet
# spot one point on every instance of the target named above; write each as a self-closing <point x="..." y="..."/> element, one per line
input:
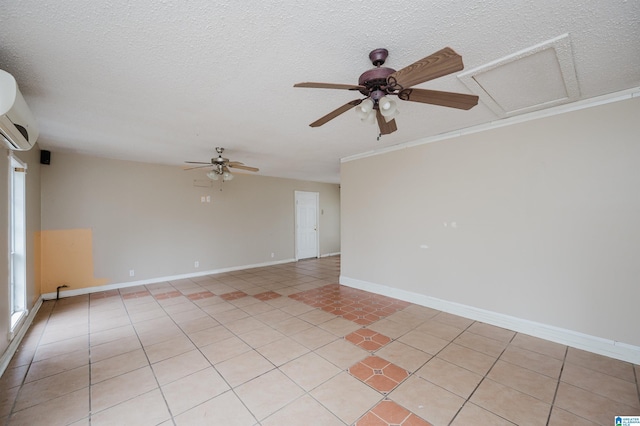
<point x="196" y="264"/>
<point x="272" y="255"/>
<point x="132" y="273"/>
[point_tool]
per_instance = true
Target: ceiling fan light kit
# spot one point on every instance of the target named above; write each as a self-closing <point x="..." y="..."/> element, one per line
<point x="387" y="106"/>
<point x="216" y="173"/>
<point x="379" y="83"/>
<point x="365" y="111"/>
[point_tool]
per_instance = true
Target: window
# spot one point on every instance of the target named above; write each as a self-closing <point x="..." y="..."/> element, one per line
<point x="17" y="240"/>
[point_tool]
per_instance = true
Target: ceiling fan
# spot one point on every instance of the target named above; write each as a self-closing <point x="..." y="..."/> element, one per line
<point x="379" y="83"/>
<point x="221" y="166"/>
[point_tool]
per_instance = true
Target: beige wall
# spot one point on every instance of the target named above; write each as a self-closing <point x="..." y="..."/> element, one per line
<point x="150" y="218"/>
<point x="546" y="212"/>
<point x="32" y="159"/>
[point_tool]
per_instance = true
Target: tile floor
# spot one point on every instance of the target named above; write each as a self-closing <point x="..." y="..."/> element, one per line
<point x="286" y="345"/>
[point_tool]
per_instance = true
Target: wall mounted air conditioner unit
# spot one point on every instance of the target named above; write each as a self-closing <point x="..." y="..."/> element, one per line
<point x="17" y="126"/>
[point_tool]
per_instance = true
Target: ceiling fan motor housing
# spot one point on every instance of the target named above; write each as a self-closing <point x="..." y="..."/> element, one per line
<point x="374" y="79"/>
<point x="220" y="160"/>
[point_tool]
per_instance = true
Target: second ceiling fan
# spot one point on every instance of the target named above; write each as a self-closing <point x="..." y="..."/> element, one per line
<point x="221" y="166"/>
<point x="379" y="83"/>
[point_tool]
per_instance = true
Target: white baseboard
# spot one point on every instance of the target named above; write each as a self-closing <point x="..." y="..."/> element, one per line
<point x="116" y="286"/>
<point x="598" y="345"/>
<point x="6" y="357"/>
<point x="330" y="254"/>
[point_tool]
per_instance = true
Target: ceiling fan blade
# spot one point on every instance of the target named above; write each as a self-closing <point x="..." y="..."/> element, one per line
<point x="242" y="167"/>
<point x="197" y="167"/>
<point x="385" y="128"/>
<point x="441" y="63"/>
<point x="313" y="85"/>
<point x="435" y="97"/>
<point x="235" y="163"/>
<point x="336" y="112"/>
<point x="198" y="162"/>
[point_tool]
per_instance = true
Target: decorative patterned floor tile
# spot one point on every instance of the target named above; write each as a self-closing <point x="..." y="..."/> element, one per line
<point x="200" y="295"/>
<point x="355" y="305"/>
<point x="269" y="295"/>
<point x="104" y="294"/>
<point x="379" y="373"/>
<point x="388" y="413"/>
<point x="233" y="295"/>
<point x="168" y="295"/>
<point x="135" y="295"/>
<point x="367" y="339"/>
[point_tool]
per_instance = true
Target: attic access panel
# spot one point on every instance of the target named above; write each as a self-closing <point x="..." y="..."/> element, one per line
<point x="539" y="77"/>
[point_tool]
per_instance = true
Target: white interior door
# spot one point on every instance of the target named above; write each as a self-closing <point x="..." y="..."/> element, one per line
<point x="307" y="241"/>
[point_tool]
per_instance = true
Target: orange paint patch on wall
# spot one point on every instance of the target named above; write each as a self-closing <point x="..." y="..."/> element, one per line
<point x="66" y="257"/>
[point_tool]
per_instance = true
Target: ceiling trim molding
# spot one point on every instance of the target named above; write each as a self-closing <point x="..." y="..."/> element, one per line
<point x="561" y="109"/>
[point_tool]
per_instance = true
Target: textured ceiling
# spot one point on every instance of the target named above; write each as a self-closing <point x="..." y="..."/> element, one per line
<point x="168" y="81"/>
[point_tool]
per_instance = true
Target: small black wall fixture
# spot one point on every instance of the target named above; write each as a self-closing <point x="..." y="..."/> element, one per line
<point x="45" y="157"/>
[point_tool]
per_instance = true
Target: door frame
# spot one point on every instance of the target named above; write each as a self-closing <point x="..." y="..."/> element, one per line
<point x="17" y="243"/>
<point x="295" y="222"/>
